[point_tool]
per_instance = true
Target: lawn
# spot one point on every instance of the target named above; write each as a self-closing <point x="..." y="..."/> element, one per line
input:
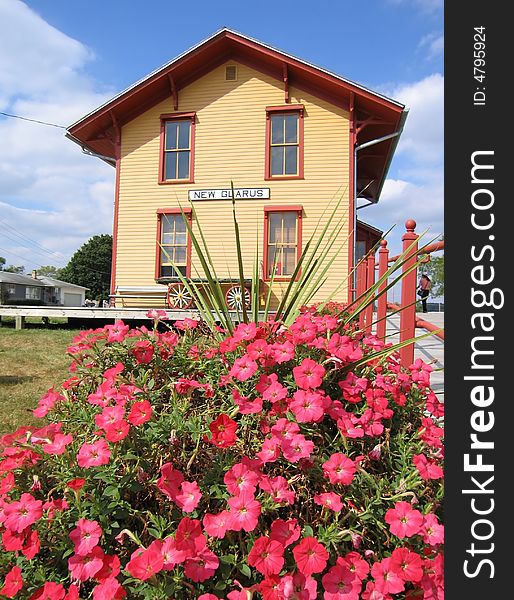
<point x="31" y="361"/>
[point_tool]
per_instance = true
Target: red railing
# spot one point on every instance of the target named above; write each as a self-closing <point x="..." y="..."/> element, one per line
<point x="365" y="279"/>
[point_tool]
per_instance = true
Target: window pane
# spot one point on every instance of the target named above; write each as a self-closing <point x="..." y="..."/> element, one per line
<point x="167" y="239"/>
<point x="288" y="260"/>
<point x="289" y="228"/>
<point x="171" y="135"/>
<point x="180" y="225"/>
<point x="180" y="255"/>
<point x="291" y="160"/>
<point x="180" y="239"/>
<point x="166" y="255"/>
<point x="183" y="135"/>
<point x="277" y="129"/>
<point x="183" y="165"/>
<point x="271" y="258"/>
<point x="167" y="224"/>
<point x="170" y="169"/>
<point x="277" y="160"/>
<point x="167" y="271"/>
<point x="291" y="129"/>
<point x="275" y="228"/>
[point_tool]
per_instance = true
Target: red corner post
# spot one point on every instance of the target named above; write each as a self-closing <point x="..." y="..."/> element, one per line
<point x="409" y="284"/>
<point x="383" y="264"/>
<point x="361" y="288"/>
<point x="370" y="262"/>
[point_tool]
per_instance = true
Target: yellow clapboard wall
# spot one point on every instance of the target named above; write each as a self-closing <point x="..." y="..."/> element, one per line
<point x="230" y="146"/>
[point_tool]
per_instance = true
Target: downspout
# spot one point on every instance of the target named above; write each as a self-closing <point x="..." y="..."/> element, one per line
<point x="356" y="148"/>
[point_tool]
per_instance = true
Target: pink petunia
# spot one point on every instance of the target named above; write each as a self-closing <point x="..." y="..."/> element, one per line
<point x="308" y="406"/>
<point x="116" y="332"/>
<point x="387" y="578"/>
<point x="189" y="536"/>
<point x="170" y="480"/>
<point x="13" y="583"/>
<point x="223" y="430"/>
<point x="244" y="367"/>
<point x="341" y="584"/>
<point x="310" y="556"/>
<point x="82" y="567"/>
<point x="117" y="431"/>
<point x="50" y="591"/>
<point x="143" y="352"/>
<point x="432" y="531"/>
<point x="140" y="413"/>
<point x="171" y="554"/>
<point x="296" y="447"/>
<point x="403" y="520"/>
<point x="144" y="563"/>
<point x="356" y="564"/>
<point x="285" y="532"/>
<point x="428" y="469"/>
<point x="308" y="374"/>
<point x="85" y="536"/>
<point x="110" y="589"/>
<point x="93" y="455"/>
<point x="46" y="403"/>
<point x="216" y="525"/>
<point x="329" y="500"/>
<point x="202" y="566"/>
<point x="189" y="496"/>
<point x="278" y="488"/>
<point x="240" y="478"/>
<point x="58" y="445"/>
<point x="339" y="469"/>
<point x="245" y="511"/>
<point x="109" y="416"/>
<point x="22" y="513"/>
<point x="407" y="564"/>
<point x="297" y="587"/>
<point x="283" y="352"/>
<point x="267" y="556"/>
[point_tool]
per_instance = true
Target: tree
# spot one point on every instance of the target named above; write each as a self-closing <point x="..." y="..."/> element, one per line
<point x="2" y="263"/>
<point x="49" y="271"/>
<point x="15" y="269"/>
<point x="434" y="268"/>
<point x="90" y="267"/>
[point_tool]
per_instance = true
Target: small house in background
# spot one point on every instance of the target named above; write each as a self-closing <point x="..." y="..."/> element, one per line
<point x="295" y="139"/>
<point x="39" y="290"/>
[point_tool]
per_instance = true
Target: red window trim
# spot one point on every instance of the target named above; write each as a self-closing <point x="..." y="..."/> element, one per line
<point x="165" y="118"/>
<point x="296" y="108"/>
<point x="188" y="212"/>
<point x="298" y="208"/>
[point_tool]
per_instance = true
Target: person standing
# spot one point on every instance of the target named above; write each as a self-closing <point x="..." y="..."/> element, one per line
<point x="424" y="286"/>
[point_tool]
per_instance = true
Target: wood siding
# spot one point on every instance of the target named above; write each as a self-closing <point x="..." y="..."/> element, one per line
<point x="230" y="146"/>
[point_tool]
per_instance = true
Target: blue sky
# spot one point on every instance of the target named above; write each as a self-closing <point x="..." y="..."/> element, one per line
<point x="59" y="59"/>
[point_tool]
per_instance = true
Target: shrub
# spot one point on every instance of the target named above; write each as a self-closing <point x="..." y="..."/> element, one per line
<point x="280" y="462"/>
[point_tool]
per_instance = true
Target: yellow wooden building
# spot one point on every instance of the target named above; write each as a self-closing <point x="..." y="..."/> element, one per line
<point x="292" y="137"/>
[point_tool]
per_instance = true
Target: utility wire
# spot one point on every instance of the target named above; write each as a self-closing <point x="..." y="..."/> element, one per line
<point x="22" y="236"/>
<point x="32" y="120"/>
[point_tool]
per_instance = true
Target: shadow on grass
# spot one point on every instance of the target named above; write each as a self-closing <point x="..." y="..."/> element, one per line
<point x="15" y="379"/>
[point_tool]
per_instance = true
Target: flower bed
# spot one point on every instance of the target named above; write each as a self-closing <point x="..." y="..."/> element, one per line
<point x="279" y="463"/>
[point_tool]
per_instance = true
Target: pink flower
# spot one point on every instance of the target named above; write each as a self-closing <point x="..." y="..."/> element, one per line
<point x="296" y="447"/>
<point x="244" y="512"/>
<point x="21" y="514"/>
<point x="186" y="324"/>
<point x="297" y="587"/>
<point x="189" y="496"/>
<point x="157" y="315"/>
<point x="352" y="387"/>
<point x="32" y="544"/>
<point x="46" y="403"/>
<point x="283" y="352"/>
<point x="243" y="368"/>
<point x="50" y="591"/>
<point x="355" y="563"/>
<point x="58" y="446"/>
<point x="407" y="564"/>
<point x="145" y="563"/>
<point x="170" y="480"/>
<point x="143" y="352"/>
<point x="117" y="431"/>
<point x="140" y="413"/>
<point x="428" y="469"/>
<point x="110" y="568"/>
<point x="245" y="331"/>
<point x="13" y="583"/>
<point x="216" y="525"/>
<point x="116" y="332"/>
<point x="189" y="536"/>
<point x="267" y="556"/>
<point x="285" y="532"/>
<point x="202" y="566"/>
<point x="274" y="392"/>
<point x="329" y="500"/>
<point x="341" y="584"/>
<point x="83" y="568"/>
<point x="110" y="589"/>
<point x="403" y="520"/>
<point x="240" y="478"/>
<point x="93" y="455"/>
<point x="307" y="406"/>
<point x="432" y="531"/>
<point x="387" y="578"/>
<point x="339" y="469"/>
<point x="310" y="556"/>
<point x="309" y="374"/>
<point x="85" y="536"/>
<point x="171" y="554"/>
<point x="278" y="488"/>
<point x="109" y="416"/>
<point x="223" y="430"/>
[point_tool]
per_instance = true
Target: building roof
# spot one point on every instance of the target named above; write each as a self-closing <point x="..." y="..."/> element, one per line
<point x="16" y="278"/>
<point x="58" y="283"/>
<point x="374" y="115"/>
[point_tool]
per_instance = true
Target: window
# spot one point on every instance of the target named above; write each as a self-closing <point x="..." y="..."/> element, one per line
<point x="173" y="243"/>
<point x="177" y="148"/>
<point x="282" y="240"/>
<point x="284" y="142"/>
<point x="32" y="293"/>
<point x="10" y="289"/>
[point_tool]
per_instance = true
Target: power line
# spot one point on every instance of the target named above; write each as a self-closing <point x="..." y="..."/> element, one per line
<point x="32" y="120"/>
<point x="22" y="236"/>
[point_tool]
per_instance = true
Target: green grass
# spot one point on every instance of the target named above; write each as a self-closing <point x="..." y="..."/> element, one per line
<point x="31" y="361"/>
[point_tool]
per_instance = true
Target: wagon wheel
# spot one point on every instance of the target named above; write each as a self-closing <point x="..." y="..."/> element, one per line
<point x="234" y="297"/>
<point x="178" y="296"/>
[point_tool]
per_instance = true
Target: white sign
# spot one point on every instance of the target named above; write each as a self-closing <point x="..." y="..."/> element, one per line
<point x="226" y="194"/>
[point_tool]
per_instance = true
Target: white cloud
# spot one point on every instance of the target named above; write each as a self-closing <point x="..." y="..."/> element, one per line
<point x="434" y="43"/>
<point x="49" y="188"/>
